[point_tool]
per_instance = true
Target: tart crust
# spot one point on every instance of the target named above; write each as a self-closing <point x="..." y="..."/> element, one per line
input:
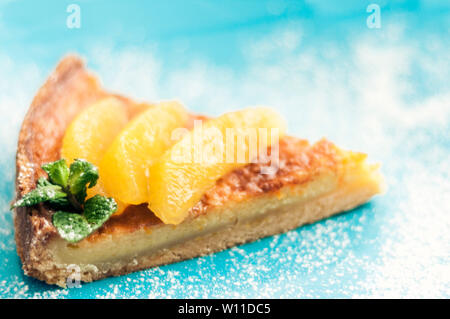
<point x="313" y="182"/>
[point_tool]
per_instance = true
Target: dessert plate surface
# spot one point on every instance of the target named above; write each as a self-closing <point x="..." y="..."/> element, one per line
<point x="381" y="91"/>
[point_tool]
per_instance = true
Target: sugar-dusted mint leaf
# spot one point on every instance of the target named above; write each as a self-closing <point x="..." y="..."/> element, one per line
<point x="75" y="227"/>
<point x="82" y="175"/>
<point x="40" y="194"/>
<point x="72" y="227"/>
<point x="65" y="191"/>
<point x="43" y="182"/>
<point x="98" y="209"/>
<point x="58" y="172"/>
<point x="58" y="203"/>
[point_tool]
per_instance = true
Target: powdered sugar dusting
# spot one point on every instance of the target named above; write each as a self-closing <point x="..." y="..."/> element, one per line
<point x="383" y="93"/>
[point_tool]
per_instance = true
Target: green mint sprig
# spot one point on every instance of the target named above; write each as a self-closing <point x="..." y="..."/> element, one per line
<point x="65" y="191"/>
<point x="75" y="227"/>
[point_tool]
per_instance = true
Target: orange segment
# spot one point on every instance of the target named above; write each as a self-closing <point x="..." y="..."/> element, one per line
<point x="93" y="130"/>
<point x="125" y="167"/>
<point x="194" y="164"/>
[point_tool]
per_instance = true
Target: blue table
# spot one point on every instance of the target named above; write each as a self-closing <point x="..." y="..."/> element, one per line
<point x="327" y="68"/>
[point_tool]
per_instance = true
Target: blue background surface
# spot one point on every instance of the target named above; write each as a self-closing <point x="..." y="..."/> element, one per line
<point x="382" y="91"/>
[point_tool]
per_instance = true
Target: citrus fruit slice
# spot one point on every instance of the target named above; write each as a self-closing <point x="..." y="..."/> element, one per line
<point x="125" y="166"/>
<point x="93" y="130"/>
<point x="193" y="165"/>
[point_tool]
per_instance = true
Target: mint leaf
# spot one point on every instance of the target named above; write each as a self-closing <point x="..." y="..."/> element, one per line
<point x="40" y="194"/>
<point x="72" y="227"/>
<point x="43" y="182"/>
<point x="82" y="173"/>
<point x="58" y="203"/>
<point x="75" y="227"/>
<point x="98" y="209"/>
<point x="65" y="190"/>
<point x="58" y="172"/>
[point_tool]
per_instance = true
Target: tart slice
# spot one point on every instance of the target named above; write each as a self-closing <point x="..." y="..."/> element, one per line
<point x="189" y="210"/>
